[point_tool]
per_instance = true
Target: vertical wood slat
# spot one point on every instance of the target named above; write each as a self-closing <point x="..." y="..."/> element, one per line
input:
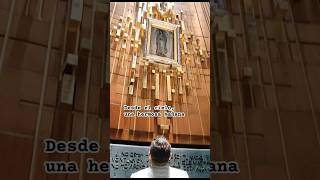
<point x="157" y="90"/>
<point x="145" y="77"/>
<point x="239" y="88"/>
<point x="136" y="102"/>
<point x="40" y="10"/>
<point x="6" y="35"/>
<point x="43" y="92"/>
<point x="275" y="95"/>
<point x="87" y="88"/>
<point x="67" y="20"/>
<point x="242" y="115"/>
<point x="305" y="75"/>
<point x="251" y="28"/>
<point x="27" y="7"/>
<point x="180" y="86"/>
<point x="224" y="74"/>
<point x="124" y="83"/>
<point x="169" y="97"/>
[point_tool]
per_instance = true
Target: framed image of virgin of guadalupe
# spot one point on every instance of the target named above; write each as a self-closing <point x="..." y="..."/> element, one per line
<point x="161" y="42"/>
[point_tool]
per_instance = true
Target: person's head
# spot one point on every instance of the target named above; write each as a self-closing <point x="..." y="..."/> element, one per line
<point x="160" y="151"/>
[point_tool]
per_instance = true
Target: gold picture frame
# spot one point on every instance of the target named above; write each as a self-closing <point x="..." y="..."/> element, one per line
<point x="161" y="44"/>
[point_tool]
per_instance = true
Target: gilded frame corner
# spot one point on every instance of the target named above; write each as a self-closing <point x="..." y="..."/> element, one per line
<point x="175" y="61"/>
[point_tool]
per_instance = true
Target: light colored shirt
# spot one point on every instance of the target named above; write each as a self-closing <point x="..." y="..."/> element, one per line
<point x="160" y="172"/>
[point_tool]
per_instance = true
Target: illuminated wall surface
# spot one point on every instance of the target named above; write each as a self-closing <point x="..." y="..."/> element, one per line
<point x="160" y="56"/>
<point x="126" y="160"/>
<point x="139" y="78"/>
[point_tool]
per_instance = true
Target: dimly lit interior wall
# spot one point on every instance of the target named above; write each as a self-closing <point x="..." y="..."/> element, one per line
<point x="23" y="58"/>
<point x="274" y="128"/>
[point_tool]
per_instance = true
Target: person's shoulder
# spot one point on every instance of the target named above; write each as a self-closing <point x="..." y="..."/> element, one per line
<point x="140" y="174"/>
<point x="178" y="173"/>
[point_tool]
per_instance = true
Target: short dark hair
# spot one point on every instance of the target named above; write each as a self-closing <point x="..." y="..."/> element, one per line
<point x="160" y="150"/>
